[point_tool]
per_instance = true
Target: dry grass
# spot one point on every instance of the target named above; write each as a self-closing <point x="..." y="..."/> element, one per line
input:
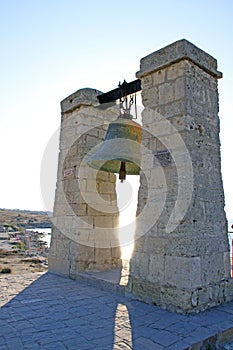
<point x="20" y="263"/>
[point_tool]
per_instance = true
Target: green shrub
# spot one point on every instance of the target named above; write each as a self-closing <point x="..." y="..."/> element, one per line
<point x="6" y="270"/>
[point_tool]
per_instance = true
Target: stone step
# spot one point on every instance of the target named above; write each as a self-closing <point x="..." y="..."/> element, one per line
<point x="105" y="280"/>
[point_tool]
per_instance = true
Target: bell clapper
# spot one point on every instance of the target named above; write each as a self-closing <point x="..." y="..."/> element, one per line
<point x="122" y="172"/>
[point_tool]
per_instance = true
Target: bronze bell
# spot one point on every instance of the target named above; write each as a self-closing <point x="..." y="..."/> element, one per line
<point x="120" y="151"/>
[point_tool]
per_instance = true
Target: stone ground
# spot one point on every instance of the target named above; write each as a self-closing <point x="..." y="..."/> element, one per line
<point x="47" y="311"/>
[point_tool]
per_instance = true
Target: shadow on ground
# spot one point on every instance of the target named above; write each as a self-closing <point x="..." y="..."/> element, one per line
<point x="58" y="313"/>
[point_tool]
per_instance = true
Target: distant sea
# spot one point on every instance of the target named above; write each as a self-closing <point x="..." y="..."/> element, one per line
<point x="47" y="234"/>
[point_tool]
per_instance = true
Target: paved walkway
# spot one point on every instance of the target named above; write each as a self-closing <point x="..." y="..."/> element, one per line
<point x="57" y="313"/>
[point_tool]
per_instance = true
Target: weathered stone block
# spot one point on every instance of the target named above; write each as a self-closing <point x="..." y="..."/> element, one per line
<point x="108" y="188"/>
<point x="177" y="51"/>
<point x="166" y="93"/>
<point x="91" y="185"/>
<point x="59" y="265"/>
<point x="103" y="221"/>
<point x="79" y="98"/>
<point x="156" y="268"/>
<point x="158" y="77"/>
<point x="180" y="88"/>
<point x="176" y="70"/>
<point x="228" y="293"/>
<point x="212" y="268"/>
<point x="81" y="209"/>
<point x="140" y="265"/>
<point x="174" y="299"/>
<point x="145" y="290"/>
<point x="151" y="97"/>
<point x="147" y="82"/>
<point x="183" y="272"/>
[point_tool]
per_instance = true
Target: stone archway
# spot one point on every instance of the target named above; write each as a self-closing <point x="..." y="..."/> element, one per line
<point x="181" y="258"/>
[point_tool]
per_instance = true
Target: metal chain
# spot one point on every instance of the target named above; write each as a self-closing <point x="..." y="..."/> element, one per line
<point x="125" y="110"/>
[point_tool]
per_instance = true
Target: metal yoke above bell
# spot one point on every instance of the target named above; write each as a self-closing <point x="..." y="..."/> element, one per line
<point x="120" y="151"/>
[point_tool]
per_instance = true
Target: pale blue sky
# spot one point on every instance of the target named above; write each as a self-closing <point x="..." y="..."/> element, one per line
<point x="51" y="48"/>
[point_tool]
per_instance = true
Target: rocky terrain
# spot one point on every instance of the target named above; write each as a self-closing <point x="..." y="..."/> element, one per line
<point x="23" y="253"/>
<point x="10" y="218"/>
<point x="19" y="266"/>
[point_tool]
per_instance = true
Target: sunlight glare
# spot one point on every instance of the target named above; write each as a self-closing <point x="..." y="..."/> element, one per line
<point x="127" y="199"/>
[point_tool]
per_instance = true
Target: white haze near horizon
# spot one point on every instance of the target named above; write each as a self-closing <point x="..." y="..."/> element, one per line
<point x="51" y="49"/>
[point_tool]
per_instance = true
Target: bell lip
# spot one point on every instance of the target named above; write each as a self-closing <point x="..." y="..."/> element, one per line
<point x="95" y="164"/>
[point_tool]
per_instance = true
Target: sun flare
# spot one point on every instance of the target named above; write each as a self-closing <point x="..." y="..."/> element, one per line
<point x="127" y="199"/>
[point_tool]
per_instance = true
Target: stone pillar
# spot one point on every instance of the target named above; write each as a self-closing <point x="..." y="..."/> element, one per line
<point x="181" y="256"/>
<point x="85" y="218"/>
